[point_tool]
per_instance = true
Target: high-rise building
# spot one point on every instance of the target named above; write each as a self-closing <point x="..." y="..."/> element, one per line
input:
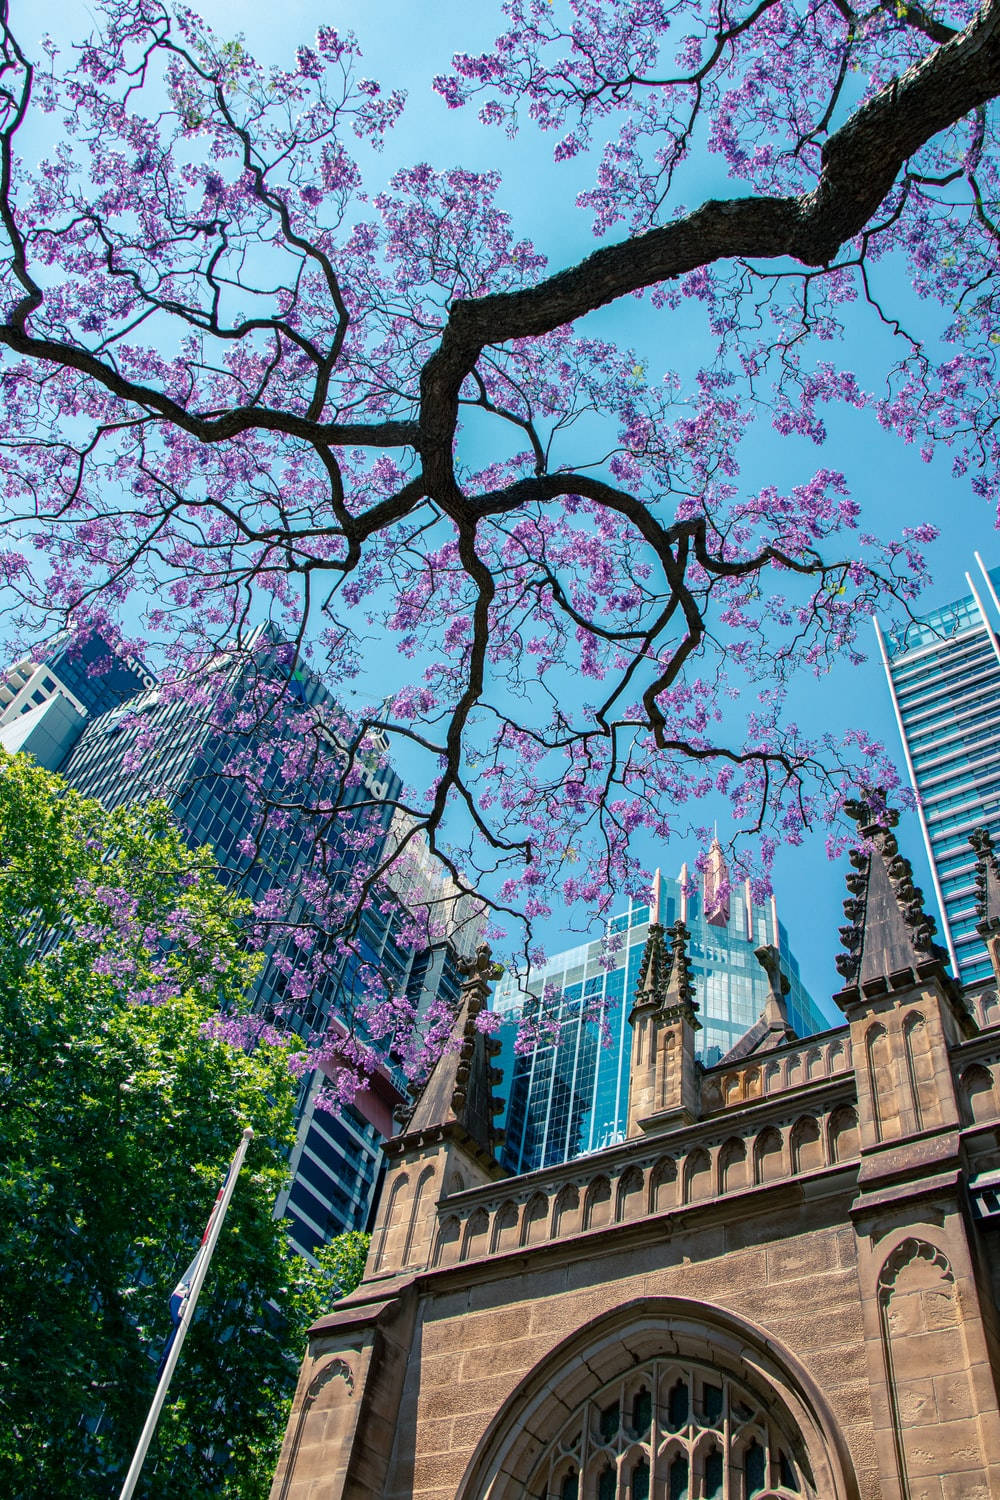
<point x="567" y="1089"/>
<point x="84" y="669"/>
<point x="943" y="673"/>
<point x="141" y="740"/>
<point x="47" y="696"/>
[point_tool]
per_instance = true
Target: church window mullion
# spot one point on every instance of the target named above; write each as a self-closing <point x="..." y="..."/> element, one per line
<point x="655" y="1376"/>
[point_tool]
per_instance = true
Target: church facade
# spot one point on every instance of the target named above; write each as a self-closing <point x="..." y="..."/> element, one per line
<point x="784" y="1285"/>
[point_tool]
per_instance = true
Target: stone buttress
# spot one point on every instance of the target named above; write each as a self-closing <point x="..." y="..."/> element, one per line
<point x="923" y="1295"/>
<point x="663" y="1080"/>
<point x="342" y="1429"/>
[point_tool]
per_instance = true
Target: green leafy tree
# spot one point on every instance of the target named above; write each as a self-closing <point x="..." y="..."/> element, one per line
<point x="121" y="1104"/>
<point x="314" y="1289"/>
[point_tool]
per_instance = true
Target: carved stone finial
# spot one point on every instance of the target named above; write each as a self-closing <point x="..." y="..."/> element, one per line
<point x="889" y="937"/>
<point x="871" y="810"/>
<point x="479" y="967"/>
<point x="987" y="895"/>
<point x="775" y="1016"/>
<point x="654" y="970"/>
<point x="987" y="879"/>
<point x="772" y="1027"/>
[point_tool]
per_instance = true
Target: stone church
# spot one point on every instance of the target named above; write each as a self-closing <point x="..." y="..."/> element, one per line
<point x="784" y="1283"/>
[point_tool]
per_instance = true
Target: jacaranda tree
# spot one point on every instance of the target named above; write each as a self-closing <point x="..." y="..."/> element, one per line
<point x="239" y="381"/>
<point x="120" y="1110"/>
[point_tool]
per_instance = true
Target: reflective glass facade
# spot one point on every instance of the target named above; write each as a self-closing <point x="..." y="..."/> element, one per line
<point x="568" y="1094"/>
<point x="944" y="677"/>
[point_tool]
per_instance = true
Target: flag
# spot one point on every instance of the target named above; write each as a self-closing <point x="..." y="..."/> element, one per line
<point x="182" y="1291"/>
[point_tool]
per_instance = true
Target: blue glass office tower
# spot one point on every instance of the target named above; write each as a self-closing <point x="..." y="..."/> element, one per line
<point x="943" y="673"/>
<point x="568" y="1093"/>
<point x="155" y="745"/>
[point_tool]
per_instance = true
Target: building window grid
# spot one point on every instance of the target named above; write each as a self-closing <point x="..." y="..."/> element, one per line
<point x="576" y="1102"/>
<point x="938" y="731"/>
<point x="972" y="676"/>
<point x="969" y="696"/>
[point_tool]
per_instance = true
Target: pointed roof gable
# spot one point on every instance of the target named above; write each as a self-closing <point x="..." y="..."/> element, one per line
<point x="772" y="1027"/>
<point x="457" y="1098"/>
<point x="890" y="938"/>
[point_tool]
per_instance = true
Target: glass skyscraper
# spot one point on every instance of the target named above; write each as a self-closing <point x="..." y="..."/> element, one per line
<point x="943" y="673"/>
<point x="568" y="1092"/>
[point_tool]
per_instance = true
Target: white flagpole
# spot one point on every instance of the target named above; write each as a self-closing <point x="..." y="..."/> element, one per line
<point x="187" y="1313"/>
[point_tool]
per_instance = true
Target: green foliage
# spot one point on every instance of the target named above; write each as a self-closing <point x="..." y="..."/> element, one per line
<point x="313" y="1290"/>
<point x="119" y="1114"/>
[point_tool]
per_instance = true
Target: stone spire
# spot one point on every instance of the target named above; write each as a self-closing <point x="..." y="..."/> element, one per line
<point x="987" y="895"/>
<point x="665" y="984"/>
<point x="889" y="939"/>
<point x="654" y="969"/>
<point x="457" y="1099"/>
<point x="678" y="997"/>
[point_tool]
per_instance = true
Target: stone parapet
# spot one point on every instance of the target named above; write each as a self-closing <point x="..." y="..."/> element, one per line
<point x="822" y="1057"/>
<point x="774" y="1139"/>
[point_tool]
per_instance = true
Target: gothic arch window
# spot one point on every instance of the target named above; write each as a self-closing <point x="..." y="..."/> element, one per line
<point x="919" y="1069"/>
<point x="691" y="1403"/>
<point x="597" y="1209"/>
<point x="663" y="1185"/>
<point x="769" y="1161"/>
<point x="976" y="1092"/>
<point x="476" y="1234"/>
<point x="536" y="1221"/>
<point x="880" y="1078"/>
<point x="505" y="1228"/>
<point x="989" y="1008"/>
<point x="843" y="1134"/>
<point x="629" y="1199"/>
<point x="694" y="1426"/>
<point x="449" y="1235"/>
<point x="807" y="1147"/>
<point x="395" y="1193"/>
<point x="697" y="1176"/>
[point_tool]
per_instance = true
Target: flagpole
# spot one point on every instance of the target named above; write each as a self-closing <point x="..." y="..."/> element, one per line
<point x="187" y="1313"/>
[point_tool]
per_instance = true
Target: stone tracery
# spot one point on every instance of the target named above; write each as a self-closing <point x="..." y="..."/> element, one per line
<point x="682" y="1429"/>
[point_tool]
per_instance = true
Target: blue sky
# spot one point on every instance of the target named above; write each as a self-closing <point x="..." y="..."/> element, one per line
<point x="405" y="44"/>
